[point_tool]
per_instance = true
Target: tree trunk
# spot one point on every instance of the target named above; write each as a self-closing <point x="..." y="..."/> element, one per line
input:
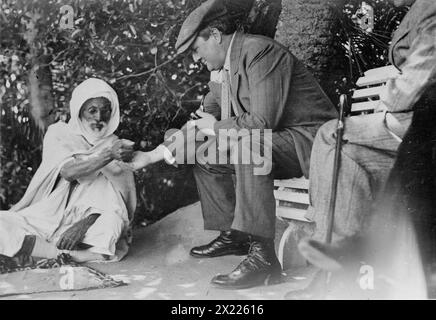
<point x="306" y="27"/>
<point x="39" y="78"/>
<point x="41" y="98"/>
<point x="258" y="16"/>
<point x="264" y="16"/>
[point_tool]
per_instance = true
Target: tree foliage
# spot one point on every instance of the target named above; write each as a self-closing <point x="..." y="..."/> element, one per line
<point x="128" y="43"/>
<point x="355" y="50"/>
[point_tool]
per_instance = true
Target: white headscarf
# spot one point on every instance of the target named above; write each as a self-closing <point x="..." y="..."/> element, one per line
<point x="93" y="88"/>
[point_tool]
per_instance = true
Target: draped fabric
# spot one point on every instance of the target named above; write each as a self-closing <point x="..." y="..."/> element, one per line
<point x="51" y="203"/>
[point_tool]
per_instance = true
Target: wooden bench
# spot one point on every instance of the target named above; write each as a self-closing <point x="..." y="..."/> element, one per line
<point x="292" y="198"/>
<point x="367" y="94"/>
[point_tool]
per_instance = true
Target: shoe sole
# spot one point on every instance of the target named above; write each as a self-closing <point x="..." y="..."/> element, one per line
<point x="268" y="281"/>
<point x="219" y="255"/>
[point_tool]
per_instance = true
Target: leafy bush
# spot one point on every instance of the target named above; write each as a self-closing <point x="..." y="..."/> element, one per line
<point x="127" y="43"/>
<point x="353" y="50"/>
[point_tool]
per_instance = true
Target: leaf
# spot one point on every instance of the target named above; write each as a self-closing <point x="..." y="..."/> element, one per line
<point x="92" y="27"/>
<point x="76" y="33"/>
<point x="146" y="38"/>
<point x="132" y="30"/>
<point x="115" y="39"/>
<point x="78" y="21"/>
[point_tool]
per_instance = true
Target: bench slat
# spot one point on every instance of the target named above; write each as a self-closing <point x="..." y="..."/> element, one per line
<point x="372" y="80"/>
<point x="291" y="214"/>
<point x="368" y="92"/>
<point x="377" y="76"/>
<point x="364" y="106"/>
<point x="291" y="196"/>
<point x="296" y="183"/>
<point x="382" y="70"/>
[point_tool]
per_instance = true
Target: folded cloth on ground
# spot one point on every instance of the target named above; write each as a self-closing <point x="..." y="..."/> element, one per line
<point x="50" y="275"/>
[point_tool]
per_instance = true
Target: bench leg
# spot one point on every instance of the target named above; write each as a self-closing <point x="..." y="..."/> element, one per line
<point x="287" y="252"/>
<point x="283" y="242"/>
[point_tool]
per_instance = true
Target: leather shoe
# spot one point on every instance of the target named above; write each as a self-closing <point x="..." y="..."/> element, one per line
<point x="230" y="242"/>
<point x="261" y="266"/>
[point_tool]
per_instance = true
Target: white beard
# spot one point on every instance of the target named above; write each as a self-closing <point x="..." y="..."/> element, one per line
<point x="94" y="135"/>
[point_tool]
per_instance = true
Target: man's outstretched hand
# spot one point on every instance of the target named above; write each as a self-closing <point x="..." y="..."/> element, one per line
<point x="122" y="150"/>
<point x="75" y="234"/>
<point x="206" y="123"/>
<point x="139" y="160"/>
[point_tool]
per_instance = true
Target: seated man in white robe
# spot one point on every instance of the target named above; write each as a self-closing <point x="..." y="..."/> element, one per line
<point x="82" y="199"/>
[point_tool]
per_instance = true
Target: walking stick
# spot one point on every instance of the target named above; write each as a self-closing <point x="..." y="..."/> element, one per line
<point x="323" y="276"/>
<point x="336" y="165"/>
<point x="320" y="281"/>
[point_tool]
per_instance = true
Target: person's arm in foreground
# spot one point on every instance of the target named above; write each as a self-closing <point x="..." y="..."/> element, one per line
<point x="417" y="73"/>
<point x="82" y="166"/>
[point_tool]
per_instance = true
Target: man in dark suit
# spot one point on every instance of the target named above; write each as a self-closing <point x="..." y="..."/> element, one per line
<point x="268" y="89"/>
<point x="264" y="93"/>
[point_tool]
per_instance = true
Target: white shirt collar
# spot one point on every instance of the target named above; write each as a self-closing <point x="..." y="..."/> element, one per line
<point x="227" y="61"/>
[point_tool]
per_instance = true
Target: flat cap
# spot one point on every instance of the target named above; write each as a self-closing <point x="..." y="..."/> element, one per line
<point x="197" y="19"/>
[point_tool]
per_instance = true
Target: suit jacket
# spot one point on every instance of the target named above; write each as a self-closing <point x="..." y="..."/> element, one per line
<point x="413" y="51"/>
<point x="271" y="89"/>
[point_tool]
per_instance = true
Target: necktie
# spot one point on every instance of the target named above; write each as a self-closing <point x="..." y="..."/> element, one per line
<point x="225" y="95"/>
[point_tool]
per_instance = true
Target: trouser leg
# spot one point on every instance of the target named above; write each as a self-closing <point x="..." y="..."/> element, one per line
<point x="255" y="203"/>
<point x="214" y="182"/>
<point x="367" y="156"/>
<point x="239" y="192"/>
<point x="216" y="190"/>
<point x="255" y="207"/>
<point x="104" y="234"/>
<point x="246" y="204"/>
<point x="12" y="234"/>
